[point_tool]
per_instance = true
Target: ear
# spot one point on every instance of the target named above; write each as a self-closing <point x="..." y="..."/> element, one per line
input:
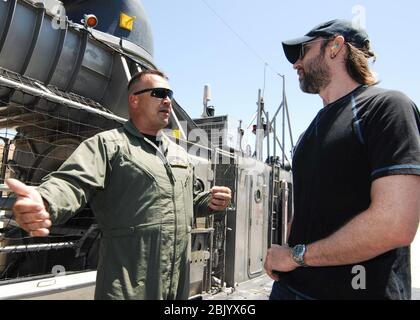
<point x="132" y="100"/>
<point x="337" y="45"/>
<point x="132" y="103"/>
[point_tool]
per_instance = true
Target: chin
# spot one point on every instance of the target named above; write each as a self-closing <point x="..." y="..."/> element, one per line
<point x="164" y="124"/>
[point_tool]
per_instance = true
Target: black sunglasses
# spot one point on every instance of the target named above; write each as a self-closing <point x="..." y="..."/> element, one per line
<point x="160" y="93"/>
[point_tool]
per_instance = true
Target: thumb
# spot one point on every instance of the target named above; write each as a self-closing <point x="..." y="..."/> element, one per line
<point x="19" y="188"/>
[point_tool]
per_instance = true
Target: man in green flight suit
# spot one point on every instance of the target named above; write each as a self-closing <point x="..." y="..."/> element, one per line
<point x="139" y="184"/>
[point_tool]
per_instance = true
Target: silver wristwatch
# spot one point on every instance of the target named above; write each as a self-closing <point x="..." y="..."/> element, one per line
<point x="298" y="252"/>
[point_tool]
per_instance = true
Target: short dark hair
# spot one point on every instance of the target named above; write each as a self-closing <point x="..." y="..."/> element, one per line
<point x="139" y="75"/>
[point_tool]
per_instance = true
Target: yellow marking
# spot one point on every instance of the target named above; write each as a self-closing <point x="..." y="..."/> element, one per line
<point x="176" y="133"/>
<point x="126" y="21"/>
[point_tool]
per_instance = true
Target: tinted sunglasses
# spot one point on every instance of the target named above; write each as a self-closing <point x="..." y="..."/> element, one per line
<point x="160" y="93"/>
<point x="304" y="49"/>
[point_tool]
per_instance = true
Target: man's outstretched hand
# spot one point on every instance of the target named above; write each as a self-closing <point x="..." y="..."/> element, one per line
<point x="29" y="209"/>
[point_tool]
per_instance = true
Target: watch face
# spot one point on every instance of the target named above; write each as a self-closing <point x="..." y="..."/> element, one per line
<point x="298" y="252"/>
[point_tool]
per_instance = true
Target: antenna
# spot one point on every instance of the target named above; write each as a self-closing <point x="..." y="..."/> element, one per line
<point x="208" y="111"/>
<point x="259" y="129"/>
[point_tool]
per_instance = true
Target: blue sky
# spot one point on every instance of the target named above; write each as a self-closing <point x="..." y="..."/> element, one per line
<point x="195" y="47"/>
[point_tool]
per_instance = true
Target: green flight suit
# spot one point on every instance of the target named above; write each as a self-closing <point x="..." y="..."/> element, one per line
<point x="143" y="201"/>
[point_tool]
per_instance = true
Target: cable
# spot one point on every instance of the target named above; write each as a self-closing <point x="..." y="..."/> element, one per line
<point x="240" y="38"/>
<point x="265" y="76"/>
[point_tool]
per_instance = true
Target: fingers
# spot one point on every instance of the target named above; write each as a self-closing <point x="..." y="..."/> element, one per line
<point x="26" y="211"/>
<point x="34" y="222"/>
<point x="269" y="270"/>
<point x="216" y="208"/>
<point x="38" y="225"/>
<point x="219" y="205"/>
<point x="39" y="233"/>
<point x="220" y="198"/>
<point x="24" y="191"/>
<point x="25" y="205"/>
<point x="272" y="275"/>
<point x="217" y="202"/>
<point x="29" y="209"/>
<point x="221" y="191"/>
<point x="18" y="187"/>
<point x="36" y="228"/>
<point x="28" y="218"/>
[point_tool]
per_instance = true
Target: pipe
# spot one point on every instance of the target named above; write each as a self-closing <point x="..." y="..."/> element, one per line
<point x="37" y="247"/>
<point x="54" y="98"/>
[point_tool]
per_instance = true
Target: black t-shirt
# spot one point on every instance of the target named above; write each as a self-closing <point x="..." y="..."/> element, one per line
<point x="368" y="134"/>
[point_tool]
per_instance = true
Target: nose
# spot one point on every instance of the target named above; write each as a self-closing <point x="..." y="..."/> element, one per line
<point x="167" y="101"/>
<point x="297" y="64"/>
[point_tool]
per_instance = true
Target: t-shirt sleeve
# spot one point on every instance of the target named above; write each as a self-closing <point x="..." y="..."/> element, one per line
<point x="391" y="130"/>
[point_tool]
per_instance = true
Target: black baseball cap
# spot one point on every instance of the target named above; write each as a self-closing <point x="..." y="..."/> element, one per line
<point x="352" y="34"/>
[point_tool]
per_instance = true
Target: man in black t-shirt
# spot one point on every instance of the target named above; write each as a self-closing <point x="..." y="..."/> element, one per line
<point x="356" y="175"/>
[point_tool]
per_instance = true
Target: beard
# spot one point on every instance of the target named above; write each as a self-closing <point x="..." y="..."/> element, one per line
<point x="316" y="75"/>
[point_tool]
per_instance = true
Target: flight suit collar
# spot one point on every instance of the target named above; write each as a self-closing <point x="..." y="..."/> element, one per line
<point x="132" y="129"/>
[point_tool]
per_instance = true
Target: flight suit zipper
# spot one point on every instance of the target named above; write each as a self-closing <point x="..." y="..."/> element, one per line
<point x="173" y="181"/>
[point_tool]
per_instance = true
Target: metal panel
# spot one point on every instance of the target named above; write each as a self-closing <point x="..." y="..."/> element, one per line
<point x="238" y="227"/>
<point x="116" y="96"/>
<point x="18" y="37"/>
<point x="7" y="9"/>
<point x="247" y="236"/>
<point x="78" y="63"/>
<point x="256" y="220"/>
<point x="60" y="46"/>
<point x="39" y="13"/>
<point x="93" y="77"/>
<point x="201" y="246"/>
<point x="67" y="60"/>
<point x="45" y="51"/>
<point x="49" y="285"/>
<point x="98" y="59"/>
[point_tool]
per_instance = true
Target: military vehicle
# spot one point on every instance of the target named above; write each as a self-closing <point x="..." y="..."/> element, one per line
<point x="64" y="67"/>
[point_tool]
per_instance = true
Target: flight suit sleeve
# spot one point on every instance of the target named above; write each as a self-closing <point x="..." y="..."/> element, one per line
<point x="68" y="189"/>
